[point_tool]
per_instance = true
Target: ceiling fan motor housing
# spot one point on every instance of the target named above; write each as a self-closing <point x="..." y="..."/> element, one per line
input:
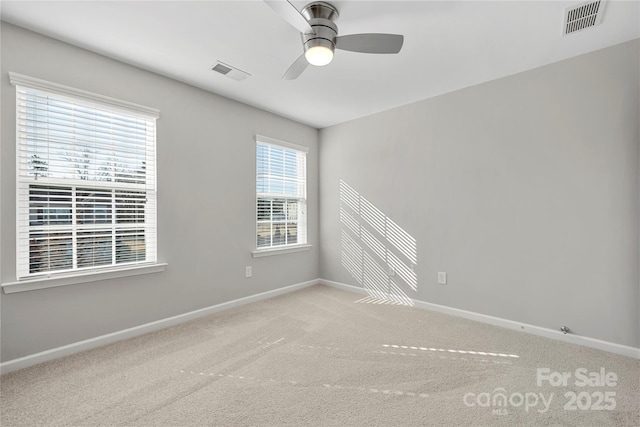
<point x="320" y="16"/>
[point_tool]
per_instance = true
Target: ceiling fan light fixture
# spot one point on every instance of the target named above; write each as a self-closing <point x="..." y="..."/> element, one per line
<point x="319" y="55"/>
<point x="320" y="39"/>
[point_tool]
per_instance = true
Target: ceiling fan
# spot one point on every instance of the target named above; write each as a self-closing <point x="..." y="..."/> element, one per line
<point x="320" y="35"/>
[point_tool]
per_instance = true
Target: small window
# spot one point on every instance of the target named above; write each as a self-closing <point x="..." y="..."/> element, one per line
<point x="281" y="194"/>
<point x="86" y="183"/>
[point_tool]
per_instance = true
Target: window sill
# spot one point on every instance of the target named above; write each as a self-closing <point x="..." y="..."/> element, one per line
<point x="279" y="251"/>
<point x="93" y="276"/>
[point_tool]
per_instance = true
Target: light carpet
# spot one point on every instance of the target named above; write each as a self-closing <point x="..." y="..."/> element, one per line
<point x="326" y="357"/>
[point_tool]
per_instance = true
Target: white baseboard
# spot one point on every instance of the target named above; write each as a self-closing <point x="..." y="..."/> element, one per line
<point x="344" y="287"/>
<point x="55" y="353"/>
<point x="620" y="349"/>
<point x="34" y="359"/>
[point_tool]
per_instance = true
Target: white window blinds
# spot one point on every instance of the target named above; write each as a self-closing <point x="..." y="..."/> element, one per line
<point x="281" y="190"/>
<point x="86" y="183"/>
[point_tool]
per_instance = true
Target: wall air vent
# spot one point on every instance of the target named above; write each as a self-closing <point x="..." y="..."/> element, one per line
<point x="229" y="71"/>
<point x="583" y="16"/>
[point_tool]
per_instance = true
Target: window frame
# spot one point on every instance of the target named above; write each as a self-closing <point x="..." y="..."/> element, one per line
<point x="261" y="251"/>
<point x="24" y="186"/>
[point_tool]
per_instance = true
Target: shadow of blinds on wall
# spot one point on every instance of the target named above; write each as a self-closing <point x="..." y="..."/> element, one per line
<point x="377" y="252"/>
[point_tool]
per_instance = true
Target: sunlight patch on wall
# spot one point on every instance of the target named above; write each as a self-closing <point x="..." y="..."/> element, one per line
<point x="376" y="251"/>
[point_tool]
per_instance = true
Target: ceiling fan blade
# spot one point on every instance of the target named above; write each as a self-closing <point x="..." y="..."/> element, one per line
<point x="298" y="66"/>
<point x="371" y="43"/>
<point x="289" y="13"/>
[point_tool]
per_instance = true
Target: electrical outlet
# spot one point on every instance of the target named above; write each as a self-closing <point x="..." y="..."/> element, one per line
<point x="442" y="278"/>
<point x="247" y="271"/>
<point x="392" y="271"/>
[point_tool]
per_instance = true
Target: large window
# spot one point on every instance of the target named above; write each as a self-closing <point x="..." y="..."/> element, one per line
<point x="281" y="194"/>
<point x="86" y="181"/>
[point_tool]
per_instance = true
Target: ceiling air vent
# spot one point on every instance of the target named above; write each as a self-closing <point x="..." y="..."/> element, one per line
<point x="229" y="71"/>
<point x="583" y="16"/>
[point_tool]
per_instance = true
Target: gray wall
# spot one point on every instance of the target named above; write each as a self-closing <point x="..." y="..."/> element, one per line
<point x="206" y="203"/>
<point x="524" y="190"/>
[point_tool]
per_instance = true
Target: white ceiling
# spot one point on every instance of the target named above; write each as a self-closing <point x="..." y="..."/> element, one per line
<point x="448" y="45"/>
